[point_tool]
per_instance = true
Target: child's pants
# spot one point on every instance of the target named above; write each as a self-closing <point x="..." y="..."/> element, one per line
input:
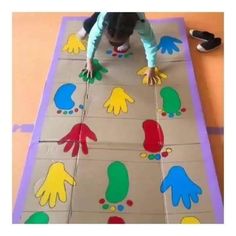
<point x="89" y="22"/>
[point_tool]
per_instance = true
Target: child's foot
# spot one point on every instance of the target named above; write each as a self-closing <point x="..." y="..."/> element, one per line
<point x="209" y="45"/>
<point x="82" y="34"/>
<point x="203" y="35"/>
<point x="123" y="48"/>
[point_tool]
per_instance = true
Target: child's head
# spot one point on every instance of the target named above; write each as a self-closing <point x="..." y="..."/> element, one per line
<point x="120" y="26"/>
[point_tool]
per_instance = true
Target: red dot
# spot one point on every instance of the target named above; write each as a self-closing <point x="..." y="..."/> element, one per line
<point x="164" y="154"/>
<point x="101" y="201"/>
<point x="114" y="54"/>
<point x="129" y="202"/>
<point x="76" y="109"/>
<point x="163" y="114"/>
<point x="59" y="112"/>
<point x="183" y="109"/>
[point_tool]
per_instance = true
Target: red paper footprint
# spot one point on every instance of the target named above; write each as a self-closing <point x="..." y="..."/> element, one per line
<point x="154" y="141"/>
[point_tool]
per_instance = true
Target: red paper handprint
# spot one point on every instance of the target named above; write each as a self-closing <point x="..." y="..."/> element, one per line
<point x="77" y="136"/>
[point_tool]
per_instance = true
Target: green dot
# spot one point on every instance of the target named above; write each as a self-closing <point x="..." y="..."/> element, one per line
<point x="178" y="113"/>
<point x="151" y="157"/>
<point x="39" y="217"/>
<point x="65" y="112"/>
<point x="105" y="206"/>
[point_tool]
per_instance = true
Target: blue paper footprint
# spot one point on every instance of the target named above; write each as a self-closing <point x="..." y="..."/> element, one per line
<point x="182" y="187"/>
<point x="168" y="45"/>
<point x="63" y="100"/>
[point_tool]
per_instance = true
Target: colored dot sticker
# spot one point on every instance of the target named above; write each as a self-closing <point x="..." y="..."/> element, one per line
<point x="113" y="208"/>
<point x="101" y="201"/>
<point x="171" y="115"/>
<point x="59" y="112"/>
<point x="105" y="206"/>
<point x="178" y="113"/>
<point x="76" y="110"/>
<point x="65" y="112"/>
<point x="158" y="156"/>
<point x="143" y="155"/>
<point x="70" y="112"/>
<point x="159" y="110"/>
<point x="114" y="54"/>
<point x="164" y="154"/>
<point x="183" y="109"/>
<point x="163" y="114"/>
<point x="151" y="156"/>
<point x="120" y="56"/>
<point x="120" y="207"/>
<point x="109" y="51"/>
<point x="81" y="106"/>
<point x="169" y="150"/>
<point x="129" y="202"/>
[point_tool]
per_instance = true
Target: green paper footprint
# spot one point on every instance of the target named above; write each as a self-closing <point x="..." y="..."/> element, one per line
<point x="171" y="102"/>
<point x="97" y="73"/>
<point x="39" y="217"/>
<point x="118" y="186"/>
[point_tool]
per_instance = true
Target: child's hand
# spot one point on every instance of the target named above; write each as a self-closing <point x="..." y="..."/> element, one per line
<point x="88" y="71"/>
<point x="152" y="77"/>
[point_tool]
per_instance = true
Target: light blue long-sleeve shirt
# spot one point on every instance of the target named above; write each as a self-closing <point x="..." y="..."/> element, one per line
<point x="143" y="28"/>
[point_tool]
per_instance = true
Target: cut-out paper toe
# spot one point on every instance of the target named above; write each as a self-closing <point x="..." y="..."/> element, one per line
<point x="117" y="189"/>
<point x="182" y="187"/>
<point x="74" y="45"/>
<point x="159" y="76"/>
<point x="63" y="100"/>
<point x="76" y="137"/>
<point x="117" y="101"/>
<point x="98" y="72"/>
<point x="168" y="45"/>
<point x="171" y="104"/>
<point x="115" y="220"/>
<point x="53" y="187"/>
<point x="39" y="217"/>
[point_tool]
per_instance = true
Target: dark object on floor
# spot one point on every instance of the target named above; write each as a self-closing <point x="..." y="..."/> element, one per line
<point x="202" y="35"/>
<point x="209" y="45"/>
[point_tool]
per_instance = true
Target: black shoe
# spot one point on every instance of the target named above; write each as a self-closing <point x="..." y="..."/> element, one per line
<point x="209" y="45"/>
<point x="203" y="35"/>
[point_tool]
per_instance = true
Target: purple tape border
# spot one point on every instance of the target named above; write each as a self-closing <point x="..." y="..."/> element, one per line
<point x="206" y="150"/>
<point x="31" y="155"/>
<point x="207" y="155"/>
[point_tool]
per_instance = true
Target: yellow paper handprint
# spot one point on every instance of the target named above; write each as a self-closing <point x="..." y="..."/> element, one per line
<point x="117" y="101"/>
<point x="53" y="186"/>
<point x="160" y="76"/>
<point x="74" y="44"/>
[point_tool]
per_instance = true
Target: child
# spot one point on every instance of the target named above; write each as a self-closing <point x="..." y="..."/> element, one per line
<point x="118" y="28"/>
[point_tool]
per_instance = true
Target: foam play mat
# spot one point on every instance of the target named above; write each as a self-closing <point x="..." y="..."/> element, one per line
<point x="111" y="148"/>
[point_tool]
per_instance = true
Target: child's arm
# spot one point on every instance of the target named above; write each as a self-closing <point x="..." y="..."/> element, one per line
<point x="95" y="36"/>
<point x="148" y="39"/>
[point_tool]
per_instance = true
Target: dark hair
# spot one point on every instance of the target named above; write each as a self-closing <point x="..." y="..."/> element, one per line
<point x="121" y="25"/>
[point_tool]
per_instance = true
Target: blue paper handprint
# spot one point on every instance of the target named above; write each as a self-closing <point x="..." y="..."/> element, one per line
<point x="168" y="45"/>
<point x="182" y="187"/>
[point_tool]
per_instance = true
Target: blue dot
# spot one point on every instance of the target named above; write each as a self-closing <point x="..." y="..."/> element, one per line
<point x="81" y="106"/>
<point x="120" y="207"/>
<point x="171" y="115"/>
<point x="120" y="55"/>
<point x="158" y="156"/>
<point x="70" y="112"/>
<point x="109" y="51"/>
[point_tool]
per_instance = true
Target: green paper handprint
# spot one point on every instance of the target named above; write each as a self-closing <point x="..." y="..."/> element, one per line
<point x="97" y="72"/>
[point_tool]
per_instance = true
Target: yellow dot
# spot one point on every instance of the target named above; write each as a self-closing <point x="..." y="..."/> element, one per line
<point x="143" y="155"/>
<point x="159" y="110"/>
<point x="190" y="220"/>
<point x="169" y="150"/>
<point x="113" y="208"/>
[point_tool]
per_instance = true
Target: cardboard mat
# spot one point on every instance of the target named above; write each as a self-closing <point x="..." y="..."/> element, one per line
<point x="111" y="149"/>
